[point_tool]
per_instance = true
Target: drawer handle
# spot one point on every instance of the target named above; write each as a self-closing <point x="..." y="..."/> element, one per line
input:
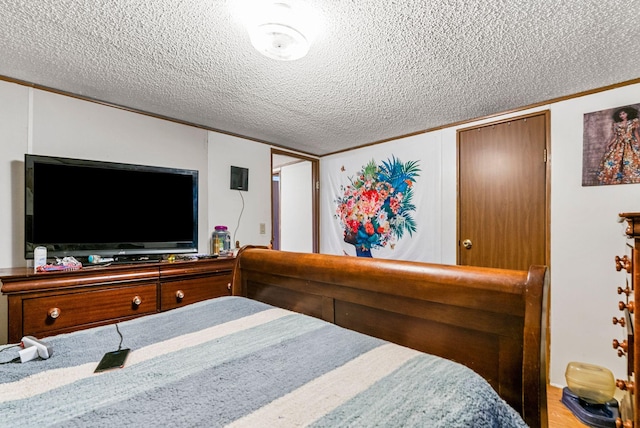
<point x="626" y="424"/>
<point x="625" y="385"/>
<point x="136" y="301"/>
<point x="621" y="347"/>
<point x="54" y="313"/>
<point x="623" y="262"/>
<point x="631" y="306"/>
<point x="620" y="321"/>
<point x="179" y="294"/>
<point x="626" y="290"/>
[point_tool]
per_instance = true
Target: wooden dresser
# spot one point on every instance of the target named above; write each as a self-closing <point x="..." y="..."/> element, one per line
<point x="49" y="303"/>
<point x="627" y="318"/>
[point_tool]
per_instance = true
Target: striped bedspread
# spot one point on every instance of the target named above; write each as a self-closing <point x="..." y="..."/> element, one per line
<point x="236" y="362"/>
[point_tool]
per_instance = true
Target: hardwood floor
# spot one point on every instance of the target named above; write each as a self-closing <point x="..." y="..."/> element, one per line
<point x="559" y="415"/>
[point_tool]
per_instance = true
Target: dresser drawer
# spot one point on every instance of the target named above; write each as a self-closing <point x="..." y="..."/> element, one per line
<point x="178" y="293"/>
<point x="104" y="294"/>
<point x="56" y="313"/>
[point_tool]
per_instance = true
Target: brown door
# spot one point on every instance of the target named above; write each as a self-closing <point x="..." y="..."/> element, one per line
<point x="502" y="193"/>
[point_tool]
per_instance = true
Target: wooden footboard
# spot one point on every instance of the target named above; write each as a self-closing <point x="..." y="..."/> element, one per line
<point x="491" y="320"/>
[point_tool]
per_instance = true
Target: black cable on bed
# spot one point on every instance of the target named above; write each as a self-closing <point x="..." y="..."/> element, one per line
<point x="15" y="360"/>
<point x="121" y="337"/>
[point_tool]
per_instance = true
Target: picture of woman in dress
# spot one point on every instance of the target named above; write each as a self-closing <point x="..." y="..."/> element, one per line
<point x="621" y="161"/>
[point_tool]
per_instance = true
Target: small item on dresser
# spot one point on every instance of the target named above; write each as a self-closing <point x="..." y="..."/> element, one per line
<point x="221" y="241"/>
<point x="99" y="259"/>
<point x="206" y="256"/>
<point x="183" y="257"/>
<point x="64" y="264"/>
<point x="39" y="257"/>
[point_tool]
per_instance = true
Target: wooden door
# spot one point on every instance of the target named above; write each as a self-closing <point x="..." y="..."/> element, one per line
<point x="502" y="208"/>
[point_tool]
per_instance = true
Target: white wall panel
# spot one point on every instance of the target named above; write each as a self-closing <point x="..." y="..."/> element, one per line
<point x="296" y="214"/>
<point x="241" y="211"/>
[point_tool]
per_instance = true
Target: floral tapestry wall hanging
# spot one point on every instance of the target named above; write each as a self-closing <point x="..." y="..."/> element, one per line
<point x="375" y="209"/>
<point x="611" y="147"/>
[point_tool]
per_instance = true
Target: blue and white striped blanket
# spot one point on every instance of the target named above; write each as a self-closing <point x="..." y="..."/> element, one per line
<point x="236" y="362"/>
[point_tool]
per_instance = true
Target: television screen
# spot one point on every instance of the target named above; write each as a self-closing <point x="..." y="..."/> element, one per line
<point x="80" y="207"/>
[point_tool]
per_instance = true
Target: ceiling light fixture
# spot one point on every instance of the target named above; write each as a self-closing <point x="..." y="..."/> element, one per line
<point x="281" y="30"/>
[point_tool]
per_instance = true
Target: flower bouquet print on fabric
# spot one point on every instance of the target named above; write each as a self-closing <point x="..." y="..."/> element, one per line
<point x="375" y="209"/>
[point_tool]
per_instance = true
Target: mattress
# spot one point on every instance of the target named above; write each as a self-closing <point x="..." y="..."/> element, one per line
<point x="236" y="362"/>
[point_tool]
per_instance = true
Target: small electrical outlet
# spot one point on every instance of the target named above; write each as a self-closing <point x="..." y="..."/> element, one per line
<point x="263" y="228"/>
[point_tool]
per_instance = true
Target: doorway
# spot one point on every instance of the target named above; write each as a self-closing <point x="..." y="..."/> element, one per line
<point x="503" y="193"/>
<point x="294" y="202"/>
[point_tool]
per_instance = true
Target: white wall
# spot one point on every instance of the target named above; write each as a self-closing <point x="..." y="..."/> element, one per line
<point x="296" y="208"/>
<point x="14" y="113"/>
<point x="585" y="234"/>
<point x="40" y="122"/>
<point x="585" y="238"/>
<point x="68" y="127"/>
<point x="45" y="123"/>
<point x="241" y="211"/>
<point x="14" y="143"/>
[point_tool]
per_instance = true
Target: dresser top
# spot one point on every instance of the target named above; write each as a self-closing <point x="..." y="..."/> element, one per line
<point x="14" y="273"/>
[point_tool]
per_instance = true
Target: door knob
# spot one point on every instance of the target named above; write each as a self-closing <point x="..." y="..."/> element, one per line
<point x="467" y="244"/>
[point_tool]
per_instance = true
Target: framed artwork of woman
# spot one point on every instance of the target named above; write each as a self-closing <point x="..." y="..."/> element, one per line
<point x="611" y="147"/>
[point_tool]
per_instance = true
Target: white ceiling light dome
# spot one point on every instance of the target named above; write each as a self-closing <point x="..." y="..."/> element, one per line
<point x="281" y="30"/>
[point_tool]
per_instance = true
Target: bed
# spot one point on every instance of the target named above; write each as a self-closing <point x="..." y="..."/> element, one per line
<point x="491" y="320"/>
<point x="301" y="343"/>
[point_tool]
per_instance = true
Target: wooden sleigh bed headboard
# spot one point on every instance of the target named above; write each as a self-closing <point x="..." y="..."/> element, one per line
<point x="491" y="320"/>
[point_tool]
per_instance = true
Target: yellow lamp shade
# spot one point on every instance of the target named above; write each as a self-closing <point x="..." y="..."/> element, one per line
<point x="590" y="382"/>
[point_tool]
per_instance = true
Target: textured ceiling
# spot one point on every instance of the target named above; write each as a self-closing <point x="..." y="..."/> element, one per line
<point x="379" y="68"/>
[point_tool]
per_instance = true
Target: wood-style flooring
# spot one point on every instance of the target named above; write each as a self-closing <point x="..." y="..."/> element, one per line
<point x="559" y="415"/>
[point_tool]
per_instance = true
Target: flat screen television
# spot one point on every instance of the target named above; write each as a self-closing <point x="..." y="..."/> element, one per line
<point x="76" y="207"/>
